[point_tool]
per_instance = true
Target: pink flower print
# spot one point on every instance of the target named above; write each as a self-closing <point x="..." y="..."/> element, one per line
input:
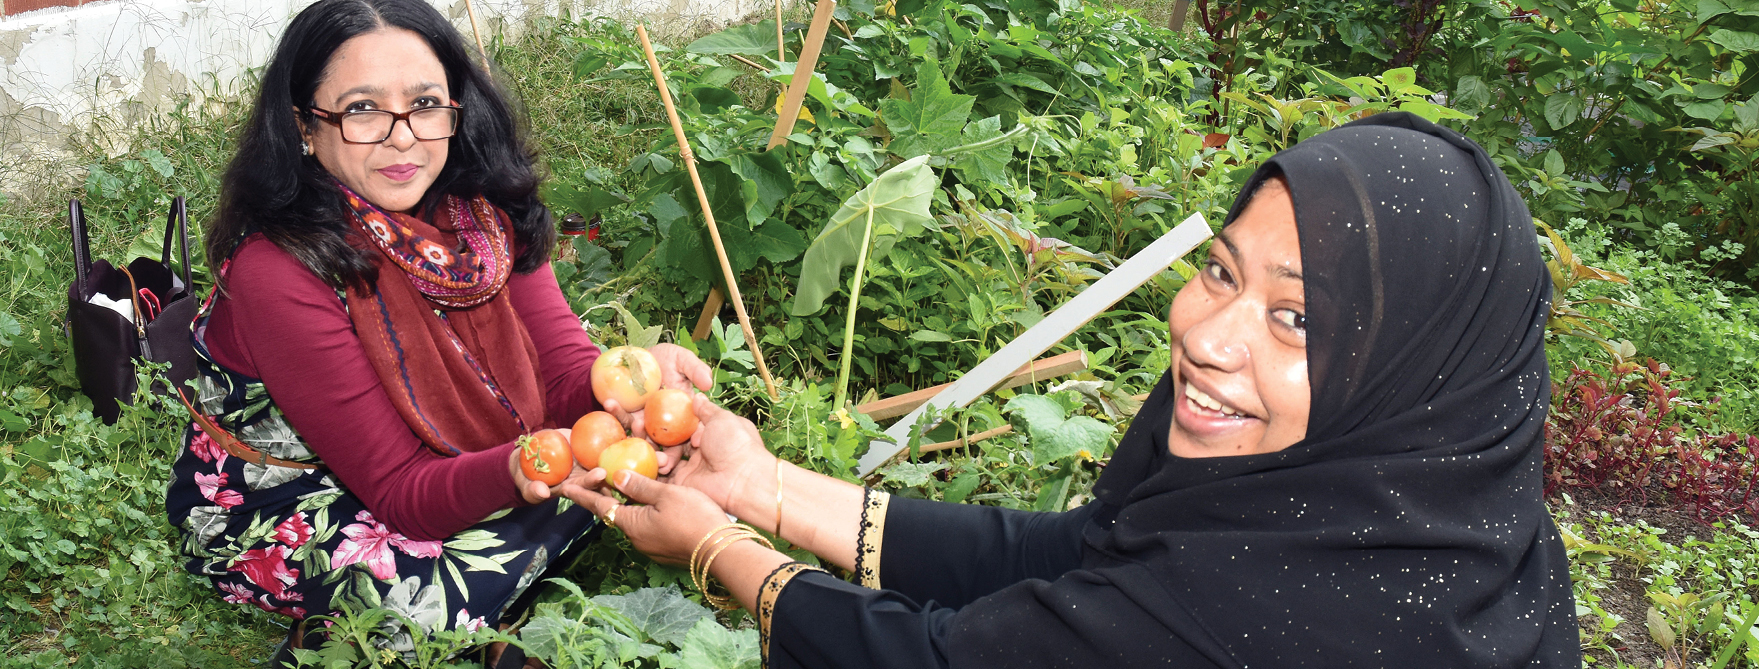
<point x="206" y="448"/>
<point x="295" y="612"/>
<point x="214" y="488"/>
<point x="413" y="548"/>
<point x="368" y="541"/>
<point x="468" y="624"/>
<point x="434" y="253"/>
<point x="267" y="568"/>
<point x="238" y="593"/>
<point x="294" y="531"/>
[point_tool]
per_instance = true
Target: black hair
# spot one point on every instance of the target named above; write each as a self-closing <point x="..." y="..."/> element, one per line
<point x="272" y="188"/>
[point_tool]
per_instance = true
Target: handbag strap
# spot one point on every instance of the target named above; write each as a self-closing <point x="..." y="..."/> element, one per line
<point x="82" y="252"/>
<point x="177" y="223"/>
<point x="232" y="445"/>
<point x="140" y="323"/>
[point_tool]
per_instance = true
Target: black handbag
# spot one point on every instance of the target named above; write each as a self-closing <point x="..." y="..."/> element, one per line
<point x="106" y="342"/>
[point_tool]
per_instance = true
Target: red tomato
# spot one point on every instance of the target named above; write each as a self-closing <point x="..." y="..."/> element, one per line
<point x="592" y="433"/>
<point x="635" y="455"/>
<point x="627" y="374"/>
<point x="545" y="456"/>
<point x="670" y="421"/>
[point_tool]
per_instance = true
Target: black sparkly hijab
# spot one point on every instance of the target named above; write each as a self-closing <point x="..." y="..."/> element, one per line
<point x="1407" y="529"/>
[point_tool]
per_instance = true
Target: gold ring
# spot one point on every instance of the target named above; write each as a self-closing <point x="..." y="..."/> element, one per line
<point x="611" y="515"/>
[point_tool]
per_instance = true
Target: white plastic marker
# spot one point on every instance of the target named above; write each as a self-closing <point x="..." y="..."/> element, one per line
<point x="1039" y="338"/>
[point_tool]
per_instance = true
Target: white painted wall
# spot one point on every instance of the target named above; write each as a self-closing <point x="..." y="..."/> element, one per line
<point x="63" y="69"/>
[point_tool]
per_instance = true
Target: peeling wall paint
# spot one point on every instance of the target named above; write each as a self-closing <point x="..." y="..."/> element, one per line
<point x="117" y="62"/>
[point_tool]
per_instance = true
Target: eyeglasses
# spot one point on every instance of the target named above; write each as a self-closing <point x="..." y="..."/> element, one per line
<point x="372" y="126"/>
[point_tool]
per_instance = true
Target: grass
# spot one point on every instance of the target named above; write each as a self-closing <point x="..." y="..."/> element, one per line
<point x="90" y="573"/>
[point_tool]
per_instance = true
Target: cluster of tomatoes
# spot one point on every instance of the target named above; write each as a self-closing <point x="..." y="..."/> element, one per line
<point x="631" y="376"/>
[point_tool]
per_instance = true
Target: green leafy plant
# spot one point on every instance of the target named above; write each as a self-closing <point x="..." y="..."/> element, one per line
<point x="894" y="205"/>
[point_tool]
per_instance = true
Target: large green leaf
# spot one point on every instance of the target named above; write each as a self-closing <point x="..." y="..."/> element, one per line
<point x="755" y="39"/>
<point x="1054" y="436"/>
<point x="898" y="203"/>
<point x="1562" y="109"/>
<point x="765" y="181"/>
<point x="931" y="119"/>
<point x="711" y="646"/>
<point x="777" y="242"/>
<point x="663" y="614"/>
<point x="988" y="165"/>
<point x="1736" y="41"/>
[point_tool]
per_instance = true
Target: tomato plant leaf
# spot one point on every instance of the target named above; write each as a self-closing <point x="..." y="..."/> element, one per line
<point x="898" y="203"/>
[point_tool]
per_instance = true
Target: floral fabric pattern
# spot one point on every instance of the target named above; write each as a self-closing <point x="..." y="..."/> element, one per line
<point x="295" y="542"/>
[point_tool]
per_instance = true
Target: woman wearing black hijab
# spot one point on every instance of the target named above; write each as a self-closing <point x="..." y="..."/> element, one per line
<point x="1342" y="467"/>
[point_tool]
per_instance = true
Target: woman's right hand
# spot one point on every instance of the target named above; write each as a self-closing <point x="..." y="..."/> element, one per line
<point x="537" y="492"/>
<point x="726" y="459"/>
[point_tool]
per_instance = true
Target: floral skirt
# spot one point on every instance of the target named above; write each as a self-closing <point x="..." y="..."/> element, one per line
<point x="294" y="542"/>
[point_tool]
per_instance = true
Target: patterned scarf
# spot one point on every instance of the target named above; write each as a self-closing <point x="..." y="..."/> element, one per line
<point x="440" y="331"/>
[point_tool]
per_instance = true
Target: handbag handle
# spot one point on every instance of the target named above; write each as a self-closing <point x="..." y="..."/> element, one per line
<point x="82" y="252"/>
<point x="177" y="222"/>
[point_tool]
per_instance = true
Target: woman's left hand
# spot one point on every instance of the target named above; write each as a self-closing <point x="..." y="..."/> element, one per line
<point x="664" y="521"/>
<point x="679" y="369"/>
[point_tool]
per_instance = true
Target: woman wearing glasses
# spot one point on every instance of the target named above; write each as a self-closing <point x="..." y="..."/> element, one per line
<point x="386" y="327"/>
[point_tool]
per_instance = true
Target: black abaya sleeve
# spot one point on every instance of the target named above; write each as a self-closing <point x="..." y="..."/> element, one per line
<point x="952" y="554"/>
<point x="1081" y="620"/>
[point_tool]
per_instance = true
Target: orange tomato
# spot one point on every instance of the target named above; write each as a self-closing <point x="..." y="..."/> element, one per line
<point x="670" y="421"/>
<point x="627" y="374"/>
<point x="635" y="455"/>
<point x="592" y="433"/>
<point x="545" y="456"/>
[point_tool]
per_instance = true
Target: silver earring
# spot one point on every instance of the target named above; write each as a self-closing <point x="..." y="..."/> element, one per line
<point x="305" y="147"/>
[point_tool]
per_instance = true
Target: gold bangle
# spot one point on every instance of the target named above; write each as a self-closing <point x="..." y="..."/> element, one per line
<point x="699" y="570"/>
<point x="700" y="575"/>
<point x="778" y="532"/>
<point x="711" y="534"/>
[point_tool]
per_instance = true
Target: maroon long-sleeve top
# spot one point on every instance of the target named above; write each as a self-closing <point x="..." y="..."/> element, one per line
<point x="278" y="322"/>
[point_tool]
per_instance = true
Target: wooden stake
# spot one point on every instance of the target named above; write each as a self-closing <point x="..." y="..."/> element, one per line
<point x="710" y="307"/>
<point x="781" y="54"/>
<point x="1043" y="369"/>
<point x="815" y="40"/>
<point x="1176" y="22"/>
<point x="471" y="10"/>
<point x="708" y="214"/>
<point x="747" y="61"/>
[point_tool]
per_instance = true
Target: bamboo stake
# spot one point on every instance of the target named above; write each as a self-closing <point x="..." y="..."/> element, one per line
<point x="781" y="53"/>
<point x="471" y="10"/>
<point x="815" y="40"/>
<point x="706" y="321"/>
<point x="708" y="214"/>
